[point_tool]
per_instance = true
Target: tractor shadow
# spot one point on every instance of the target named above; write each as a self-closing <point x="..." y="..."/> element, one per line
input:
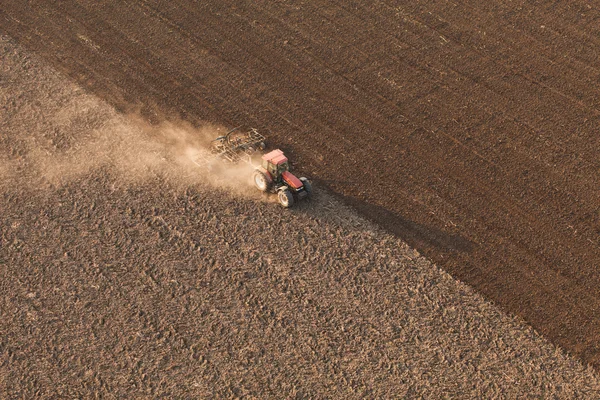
<point x="418" y="236"/>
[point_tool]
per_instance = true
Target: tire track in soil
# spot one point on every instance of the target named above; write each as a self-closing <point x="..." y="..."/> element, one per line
<point x="562" y="204"/>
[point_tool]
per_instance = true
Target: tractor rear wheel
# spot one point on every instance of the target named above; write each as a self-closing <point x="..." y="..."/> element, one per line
<point x="261" y="181"/>
<point x="285" y="198"/>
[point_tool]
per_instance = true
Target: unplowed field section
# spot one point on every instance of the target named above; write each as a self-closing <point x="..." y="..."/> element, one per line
<point x="470" y="130"/>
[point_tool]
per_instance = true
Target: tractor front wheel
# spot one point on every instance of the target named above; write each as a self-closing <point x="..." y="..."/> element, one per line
<point x="261" y="181"/>
<point x="286" y="198"/>
<point x="307" y="185"/>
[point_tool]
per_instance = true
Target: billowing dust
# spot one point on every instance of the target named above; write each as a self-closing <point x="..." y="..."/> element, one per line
<point x="52" y="132"/>
<point x="133" y="151"/>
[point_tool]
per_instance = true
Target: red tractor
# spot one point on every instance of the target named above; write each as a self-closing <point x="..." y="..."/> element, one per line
<point x="274" y="176"/>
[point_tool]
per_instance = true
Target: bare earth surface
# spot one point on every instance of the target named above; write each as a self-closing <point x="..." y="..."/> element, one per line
<point x="467" y="129"/>
<point x="126" y="273"/>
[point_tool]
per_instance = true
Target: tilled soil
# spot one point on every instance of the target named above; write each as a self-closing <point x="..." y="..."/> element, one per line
<point x="123" y="274"/>
<point x="469" y="130"/>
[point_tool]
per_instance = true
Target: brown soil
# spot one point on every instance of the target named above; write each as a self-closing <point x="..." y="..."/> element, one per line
<point x="125" y="273"/>
<point x="468" y="130"/>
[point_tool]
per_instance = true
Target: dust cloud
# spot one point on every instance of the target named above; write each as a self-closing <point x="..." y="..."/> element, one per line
<point x="133" y="151"/>
<point x="52" y="133"/>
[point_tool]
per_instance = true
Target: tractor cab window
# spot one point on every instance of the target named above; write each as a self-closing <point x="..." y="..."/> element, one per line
<point x="282" y="167"/>
<point x="275" y="169"/>
<point x="269" y="166"/>
<point x="272" y="168"/>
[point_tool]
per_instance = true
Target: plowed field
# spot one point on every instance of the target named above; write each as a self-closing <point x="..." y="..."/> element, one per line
<point x="467" y="130"/>
<point x="127" y="272"/>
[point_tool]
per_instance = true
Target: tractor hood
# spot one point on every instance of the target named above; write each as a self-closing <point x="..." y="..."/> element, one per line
<point x="291" y="180"/>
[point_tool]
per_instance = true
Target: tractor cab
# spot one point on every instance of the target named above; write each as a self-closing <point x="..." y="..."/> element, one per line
<point x="276" y="163"/>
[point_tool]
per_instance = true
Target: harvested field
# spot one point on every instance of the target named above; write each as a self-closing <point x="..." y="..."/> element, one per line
<point x="125" y="274"/>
